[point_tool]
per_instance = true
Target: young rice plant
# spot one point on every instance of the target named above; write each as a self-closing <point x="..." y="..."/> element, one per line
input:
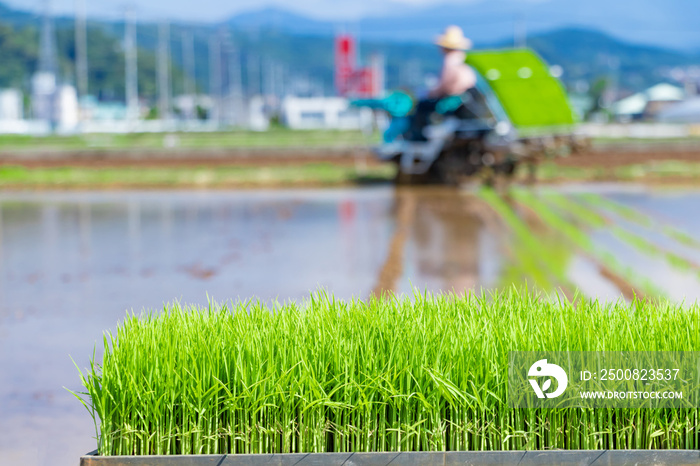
<point x="415" y="374"/>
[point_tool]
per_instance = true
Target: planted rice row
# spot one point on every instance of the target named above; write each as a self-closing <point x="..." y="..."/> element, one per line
<point x="420" y="373"/>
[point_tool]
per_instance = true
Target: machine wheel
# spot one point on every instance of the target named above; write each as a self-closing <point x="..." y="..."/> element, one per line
<point x="508" y="167"/>
<point x="449" y="168"/>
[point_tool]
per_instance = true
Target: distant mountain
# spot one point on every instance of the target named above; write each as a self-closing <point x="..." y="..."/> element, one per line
<point x="274" y="44"/>
<point x="280" y="20"/>
<point x="665" y="23"/>
<point x="16" y="17"/>
<point x="668" y="23"/>
<point x="585" y="54"/>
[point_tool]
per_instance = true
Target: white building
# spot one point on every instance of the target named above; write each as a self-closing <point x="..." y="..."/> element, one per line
<point x="648" y="103"/>
<point x="11" y="105"/>
<point x="257" y="119"/>
<point x="243" y="112"/>
<point x="66" y="108"/>
<point x="687" y="111"/>
<point x="55" y="104"/>
<point x="11" y="114"/>
<point x="324" y="113"/>
<point x="43" y="90"/>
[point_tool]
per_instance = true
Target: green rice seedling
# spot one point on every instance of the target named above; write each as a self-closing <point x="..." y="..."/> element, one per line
<point x="585" y="216"/>
<point x="541" y="259"/>
<point x="623" y="211"/>
<point x="580" y="239"/>
<point x="640" y="218"/>
<point x="681" y="236"/>
<point x="644" y="245"/>
<point x="581" y="213"/>
<point x="420" y="373"/>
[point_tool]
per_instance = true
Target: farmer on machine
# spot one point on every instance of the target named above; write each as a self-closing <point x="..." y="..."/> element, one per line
<point x="455" y="79"/>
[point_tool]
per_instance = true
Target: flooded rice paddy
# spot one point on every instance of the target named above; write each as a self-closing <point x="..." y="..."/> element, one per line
<point x="71" y="264"/>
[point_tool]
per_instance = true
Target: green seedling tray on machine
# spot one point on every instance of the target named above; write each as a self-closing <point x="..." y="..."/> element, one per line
<point x="523" y="84"/>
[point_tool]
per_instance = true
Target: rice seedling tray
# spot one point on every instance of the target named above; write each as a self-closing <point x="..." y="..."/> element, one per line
<point x="452" y="458"/>
<point x="427" y="374"/>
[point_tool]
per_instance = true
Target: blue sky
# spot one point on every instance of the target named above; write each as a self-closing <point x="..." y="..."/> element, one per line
<point x="215" y="10"/>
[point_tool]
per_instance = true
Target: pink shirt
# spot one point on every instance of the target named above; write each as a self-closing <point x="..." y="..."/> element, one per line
<point x="456" y="76"/>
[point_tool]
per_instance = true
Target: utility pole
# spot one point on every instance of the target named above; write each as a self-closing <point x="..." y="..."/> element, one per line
<point x="253" y="68"/>
<point x="47" y="53"/>
<point x="226" y="66"/>
<point x="189" y="78"/>
<point x="132" y="99"/>
<point x="215" y="75"/>
<point x="44" y="80"/>
<point x="81" y="67"/>
<point x="520" y="31"/>
<point x="188" y="62"/>
<point x="614" y="63"/>
<point x="235" y="113"/>
<point x="268" y="71"/>
<point x="281" y="81"/>
<point x="234" y="71"/>
<point x="376" y="63"/>
<point x="164" y="70"/>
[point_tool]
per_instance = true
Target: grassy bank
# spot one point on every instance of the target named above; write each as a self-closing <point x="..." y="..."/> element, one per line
<point x="275" y="137"/>
<point x="397" y="375"/>
<point x="299" y="174"/>
<point x="238" y="176"/>
<point x="650" y="171"/>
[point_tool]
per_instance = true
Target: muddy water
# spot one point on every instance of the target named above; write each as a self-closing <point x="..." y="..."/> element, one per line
<point x="664" y="209"/>
<point x="71" y="264"/>
<point x="675" y="209"/>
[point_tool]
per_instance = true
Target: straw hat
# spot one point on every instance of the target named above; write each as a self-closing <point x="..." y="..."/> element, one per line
<point x="454" y="39"/>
